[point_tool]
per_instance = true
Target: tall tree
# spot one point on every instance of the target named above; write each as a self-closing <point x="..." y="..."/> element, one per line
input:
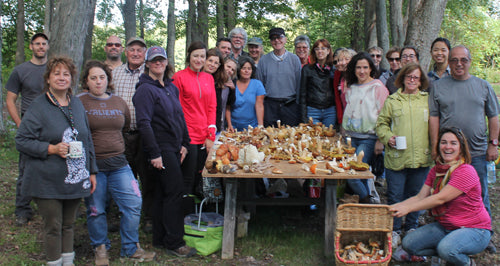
<point x="69" y="28"/>
<point x="396" y="20"/>
<point x="49" y="14"/>
<point x="129" y="18"/>
<point x="356" y="42"/>
<point x="141" y="18"/>
<point x="220" y="15"/>
<point x="230" y="15"/>
<point x="87" y="49"/>
<point x="370" y="24"/>
<point x="424" y="26"/>
<point x="2" y="126"/>
<point x="382" y="33"/>
<point x="190" y="22"/>
<point x="201" y="32"/>
<point x="171" y="32"/>
<point x="20" y="32"/>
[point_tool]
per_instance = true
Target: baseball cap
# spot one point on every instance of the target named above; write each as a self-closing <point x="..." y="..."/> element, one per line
<point x="154" y="52"/>
<point x="276" y="31"/>
<point x="255" y="41"/>
<point x="136" y="39"/>
<point x="36" y="35"/>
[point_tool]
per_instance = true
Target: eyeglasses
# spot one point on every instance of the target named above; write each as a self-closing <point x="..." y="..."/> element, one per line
<point x="412" y="78"/>
<point x="300" y="47"/>
<point x="463" y="60"/>
<point x="393" y="59"/>
<point x="408" y="56"/>
<point x="238" y="37"/>
<point x="275" y="37"/>
<point x="111" y="44"/>
<point x="320" y="49"/>
<point x="376" y="55"/>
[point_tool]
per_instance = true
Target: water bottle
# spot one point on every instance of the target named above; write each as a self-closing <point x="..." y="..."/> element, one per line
<point x="492" y="176"/>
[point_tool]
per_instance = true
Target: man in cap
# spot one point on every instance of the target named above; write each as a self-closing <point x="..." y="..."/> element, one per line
<point x="255" y="49"/>
<point x="114" y="50"/>
<point x="125" y="78"/>
<point x="238" y="37"/>
<point x="27" y="79"/>
<point x="279" y="71"/>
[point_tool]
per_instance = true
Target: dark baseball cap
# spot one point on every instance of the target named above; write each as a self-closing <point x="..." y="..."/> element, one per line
<point x="39" y="35"/>
<point x="276" y="31"/>
<point x="136" y="39"/>
<point x="155" y="51"/>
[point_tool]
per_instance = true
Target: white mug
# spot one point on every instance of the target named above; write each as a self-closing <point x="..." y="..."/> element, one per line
<point x="75" y="149"/>
<point x="401" y="142"/>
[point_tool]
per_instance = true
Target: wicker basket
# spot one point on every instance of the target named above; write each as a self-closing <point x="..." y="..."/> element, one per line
<point x="361" y="222"/>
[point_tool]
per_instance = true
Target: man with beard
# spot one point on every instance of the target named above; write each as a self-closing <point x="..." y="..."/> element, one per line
<point x="238" y="37"/>
<point x="224" y="46"/>
<point x="113" y="51"/>
<point x="27" y="79"/>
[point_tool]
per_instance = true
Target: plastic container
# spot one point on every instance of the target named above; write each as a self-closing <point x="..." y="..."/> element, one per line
<point x="491" y="170"/>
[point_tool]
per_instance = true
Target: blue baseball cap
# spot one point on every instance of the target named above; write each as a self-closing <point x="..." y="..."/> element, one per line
<point x="154" y="52"/>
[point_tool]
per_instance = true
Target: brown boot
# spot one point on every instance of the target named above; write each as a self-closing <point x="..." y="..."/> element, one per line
<point x="141" y="255"/>
<point x="101" y="256"/>
<point x="183" y="252"/>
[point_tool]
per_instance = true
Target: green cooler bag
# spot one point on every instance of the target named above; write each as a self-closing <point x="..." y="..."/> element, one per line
<point x="204" y="232"/>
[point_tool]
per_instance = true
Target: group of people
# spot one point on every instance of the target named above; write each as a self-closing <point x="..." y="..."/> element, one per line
<point x="139" y="120"/>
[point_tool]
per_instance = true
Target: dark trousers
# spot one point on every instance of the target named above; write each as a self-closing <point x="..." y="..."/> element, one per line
<point x="191" y="169"/>
<point x="288" y="111"/>
<point x="140" y="167"/>
<point x="58" y="218"/>
<point x="168" y="221"/>
<point x="23" y="207"/>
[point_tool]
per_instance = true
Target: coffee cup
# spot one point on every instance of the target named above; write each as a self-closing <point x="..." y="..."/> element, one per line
<point x="75" y="149"/>
<point x="401" y="142"/>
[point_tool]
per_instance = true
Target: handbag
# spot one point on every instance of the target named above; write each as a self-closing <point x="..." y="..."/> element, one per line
<point x="203" y="231"/>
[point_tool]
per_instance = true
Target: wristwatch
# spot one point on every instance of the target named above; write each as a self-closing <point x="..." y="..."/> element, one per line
<point x="494" y="142"/>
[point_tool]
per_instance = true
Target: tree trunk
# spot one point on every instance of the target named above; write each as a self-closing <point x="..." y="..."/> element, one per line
<point x="171" y="33"/>
<point x="231" y="15"/>
<point x="141" y="18"/>
<point x="69" y="29"/>
<point x="49" y="11"/>
<point x="87" y="49"/>
<point x="397" y="25"/>
<point x="424" y="24"/>
<point x="20" y="32"/>
<point x="220" y="18"/>
<point x="190" y="22"/>
<point x="370" y="24"/>
<point x="356" y="27"/>
<point x="129" y="18"/>
<point x="2" y="125"/>
<point x="202" y="25"/>
<point x="382" y="33"/>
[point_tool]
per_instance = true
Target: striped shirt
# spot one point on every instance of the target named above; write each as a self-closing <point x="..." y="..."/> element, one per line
<point x="124" y="81"/>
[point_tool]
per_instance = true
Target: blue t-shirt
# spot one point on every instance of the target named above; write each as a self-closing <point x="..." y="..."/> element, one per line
<point x="243" y="109"/>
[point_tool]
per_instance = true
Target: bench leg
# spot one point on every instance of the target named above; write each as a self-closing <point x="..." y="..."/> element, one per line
<point x="229" y="219"/>
<point x="330" y="216"/>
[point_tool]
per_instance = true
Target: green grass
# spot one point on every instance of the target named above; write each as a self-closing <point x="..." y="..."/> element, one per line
<point x="496" y="88"/>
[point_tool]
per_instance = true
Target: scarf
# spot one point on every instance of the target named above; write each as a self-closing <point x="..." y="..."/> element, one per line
<point x="443" y="173"/>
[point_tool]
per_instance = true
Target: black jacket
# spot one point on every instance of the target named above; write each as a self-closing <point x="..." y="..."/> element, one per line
<point x="316" y="89"/>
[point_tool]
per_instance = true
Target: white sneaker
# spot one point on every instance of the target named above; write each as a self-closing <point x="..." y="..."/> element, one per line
<point x="396" y="239"/>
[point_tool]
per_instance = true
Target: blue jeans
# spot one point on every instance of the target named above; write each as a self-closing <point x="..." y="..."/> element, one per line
<point x="360" y="186"/>
<point x="479" y="163"/>
<point x="124" y="189"/>
<point x="402" y="185"/>
<point x="327" y="116"/>
<point x="453" y="246"/>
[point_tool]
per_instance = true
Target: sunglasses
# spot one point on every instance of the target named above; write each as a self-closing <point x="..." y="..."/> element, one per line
<point x="111" y="44"/>
<point x="376" y="55"/>
<point x="393" y="59"/>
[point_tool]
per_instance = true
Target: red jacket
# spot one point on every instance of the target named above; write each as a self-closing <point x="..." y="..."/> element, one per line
<point x="199" y="103"/>
<point x="337" y="77"/>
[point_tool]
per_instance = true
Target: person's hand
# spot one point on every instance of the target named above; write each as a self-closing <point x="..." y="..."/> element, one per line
<point x="208" y="145"/>
<point x="157" y="163"/>
<point x="434" y="153"/>
<point x="183" y="153"/>
<point x="61" y="149"/>
<point x="392" y="142"/>
<point x="230" y="128"/>
<point x="398" y="210"/>
<point x="491" y="153"/>
<point x="379" y="147"/>
<point x="93" y="183"/>
<point x="229" y="84"/>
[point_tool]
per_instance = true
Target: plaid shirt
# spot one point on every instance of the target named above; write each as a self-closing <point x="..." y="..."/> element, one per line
<point x="124" y="81"/>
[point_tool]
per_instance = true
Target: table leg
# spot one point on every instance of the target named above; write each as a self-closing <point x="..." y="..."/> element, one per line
<point x="229" y="219"/>
<point x="330" y="216"/>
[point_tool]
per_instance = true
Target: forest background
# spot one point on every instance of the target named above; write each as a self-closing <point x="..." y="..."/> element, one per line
<point x="79" y="28"/>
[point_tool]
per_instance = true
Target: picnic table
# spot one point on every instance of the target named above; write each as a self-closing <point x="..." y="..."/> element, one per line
<point x="290" y="171"/>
